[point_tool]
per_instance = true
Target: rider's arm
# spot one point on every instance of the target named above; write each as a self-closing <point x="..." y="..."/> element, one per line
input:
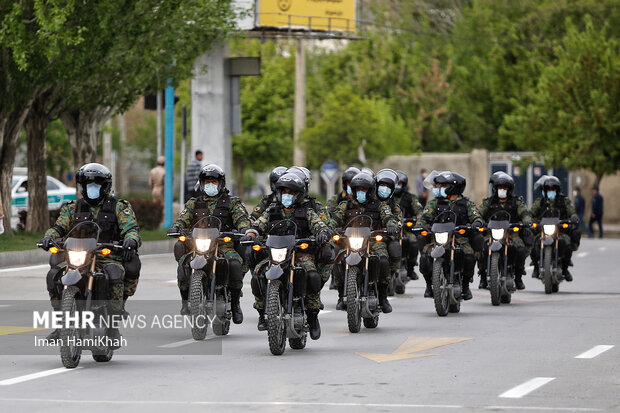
<point x="524" y="212"/>
<point x="240" y="216"/>
<point x="387" y="218"/>
<point x="426" y="219"/>
<point x="63" y="223"/>
<point x="570" y="210"/>
<point x="261" y="206"/>
<point x="417" y="208"/>
<point x="315" y="222"/>
<point x="473" y="215"/>
<point x="127" y="222"/>
<point x="186" y="216"/>
<point x="261" y="225"/>
<point x="338" y="215"/>
<point x="484" y="208"/>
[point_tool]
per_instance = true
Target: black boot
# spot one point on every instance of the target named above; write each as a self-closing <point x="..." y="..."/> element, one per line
<point x="184" y="302"/>
<point x="237" y="314"/>
<point x="383" y="300"/>
<point x="567" y="275"/>
<point x="428" y="293"/>
<point x="313" y="323"/>
<point x="411" y="273"/>
<point x="466" y="292"/>
<point x="54" y="335"/>
<point x="519" y="279"/>
<point x="341" y="304"/>
<point x="262" y="324"/>
<point x="115" y="336"/>
<point x="536" y="272"/>
<point x="483" y="282"/>
<point x="124" y="312"/>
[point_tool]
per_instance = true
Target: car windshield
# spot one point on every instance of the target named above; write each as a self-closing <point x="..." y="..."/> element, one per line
<point x="15" y="180"/>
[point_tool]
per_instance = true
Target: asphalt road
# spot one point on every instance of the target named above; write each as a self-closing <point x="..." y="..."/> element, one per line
<point x="557" y="352"/>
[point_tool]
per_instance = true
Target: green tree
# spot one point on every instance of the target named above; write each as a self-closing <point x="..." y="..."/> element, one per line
<point x="573" y="114"/>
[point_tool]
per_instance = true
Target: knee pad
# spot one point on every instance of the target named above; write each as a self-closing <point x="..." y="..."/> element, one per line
<point x="313" y="282"/>
<point x="52" y="276"/>
<point x="469" y="262"/>
<point x="385" y="267"/>
<point x="338" y="273"/>
<point x="259" y="286"/>
<point x="113" y="273"/>
<point x="426" y="264"/>
<point x="183" y="273"/>
<point x="234" y="271"/>
<point x="395" y="250"/>
<point x="179" y="250"/>
<point x="132" y="268"/>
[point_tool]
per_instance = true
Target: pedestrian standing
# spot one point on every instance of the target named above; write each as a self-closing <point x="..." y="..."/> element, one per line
<point x="580" y="209"/>
<point x="420" y="188"/>
<point x="597" y="212"/>
<point x="156" y="181"/>
<point x="191" y="176"/>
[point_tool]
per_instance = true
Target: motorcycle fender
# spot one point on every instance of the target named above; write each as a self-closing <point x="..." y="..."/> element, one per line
<point x="548" y="241"/>
<point x="72" y="277"/>
<point x="354" y="258"/>
<point x="199" y="262"/>
<point x="274" y="273"/>
<point x="496" y="246"/>
<point x="438" y="252"/>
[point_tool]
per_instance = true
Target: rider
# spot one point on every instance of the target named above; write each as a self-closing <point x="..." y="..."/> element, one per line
<point x="364" y="202"/>
<point x="450" y="198"/>
<point x="553" y="198"/>
<point x="411" y="208"/>
<point x="214" y="200"/>
<point x="268" y="199"/>
<point x="346" y="193"/>
<point x="118" y="223"/>
<point x="290" y="193"/>
<point x="503" y="199"/>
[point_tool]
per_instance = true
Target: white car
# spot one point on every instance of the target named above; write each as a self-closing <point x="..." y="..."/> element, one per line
<point x="57" y="194"/>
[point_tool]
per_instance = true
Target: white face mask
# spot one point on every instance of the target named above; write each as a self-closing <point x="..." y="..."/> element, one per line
<point x="574" y="193"/>
<point x="502" y="193"/>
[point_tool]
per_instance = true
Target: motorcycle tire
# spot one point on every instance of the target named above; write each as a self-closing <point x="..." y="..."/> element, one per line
<point x="354" y="311"/>
<point x="276" y="331"/>
<point x="70" y="355"/>
<point x="494" y="275"/>
<point x="547" y="276"/>
<point x="197" y="308"/>
<point x="103" y="357"/>
<point x="440" y="295"/>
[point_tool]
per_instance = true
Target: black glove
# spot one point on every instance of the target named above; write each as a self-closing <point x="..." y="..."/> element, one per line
<point x="246" y="238"/>
<point x="323" y="237"/>
<point x="130" y="247"/>
<point x="574" y="220"/>
<point x="392" y="231"/>
<point x="47" y="243"/>
<point x="173" y="230"/>
<point x="476" y="225"/>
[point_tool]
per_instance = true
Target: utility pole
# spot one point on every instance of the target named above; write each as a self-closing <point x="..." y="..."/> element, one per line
<point x="183" y="156"/>
<point x="169" y="162"/>
<point x="158" y="112"/>
<point x="299" y="155"/>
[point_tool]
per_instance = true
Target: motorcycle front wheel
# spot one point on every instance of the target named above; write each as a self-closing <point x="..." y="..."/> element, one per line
<point x="354" y="312"/>
<point x="494" y="284"/>
<point x="197" y="306"/>
<point x="276" y="331"/>
<point x="70" y="354"/>
<point x="440" y="290"/>
<point x="547" y="277"/>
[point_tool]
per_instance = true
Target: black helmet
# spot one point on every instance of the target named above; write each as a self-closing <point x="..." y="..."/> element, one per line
<point x="502" y="179"/>
<point x="97" y="173"/>
<point x="429" y="181"/>
<point x="275" y="174"/>
<point x="387" y="177"/>
<point x="347" y="175"/>
<point x="303" y="174"/>
<point x="366" y="181"/>
<point x="293" y="182"/>
<point x="456" y="182"/>
<point x="403" y="182"/>
<point x="539" y="183"/>
<point x="212" y="171"/>
<point x="368" y="171"/>
<point x="552" y="183"/>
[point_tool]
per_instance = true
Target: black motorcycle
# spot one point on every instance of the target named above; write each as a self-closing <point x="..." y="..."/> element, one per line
<point x="550" y="264"/>
<point x="286" y="286"/>
<point x="501" y="258"/>
<point x="361" y="273"/>
<point x="84" y="296"/>
<point x="447" y="269"/>
<point x="209" y="295"/>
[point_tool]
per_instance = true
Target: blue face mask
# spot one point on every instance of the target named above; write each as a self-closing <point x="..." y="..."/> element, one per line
<point x="211" y="189"/>
<point x="399" y="187"/>
<point x="384" y="191"/>
<point x="551" y="195"/>
<point x="349" y="191"/>
<point x="287" y="200"/>
<point x="361" y="196"/>
<point x="442" y="192"/>
<point x="436" y="192"/>
<point x="93" y="191"/>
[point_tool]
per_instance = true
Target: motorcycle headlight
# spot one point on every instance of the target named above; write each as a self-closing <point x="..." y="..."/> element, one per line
<point x="441" y="238"/>
<point x="497" y="233"/>
<point x="356" y="243"/>
<point x="203" y="245"/>
<point x="77" y="258"/>
<point x="278" y="254"/>
<point x="549" y="230"/>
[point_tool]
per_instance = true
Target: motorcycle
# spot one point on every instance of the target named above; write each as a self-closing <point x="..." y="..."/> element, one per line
<point x="500" y="258"/>
<point x="286" y="287"/>
<point x="360" y="281"/>
<point x="550" y="264"/>
<point x="84" y="293"/>
<point x="446" y="275"/>
<point x="209" y="295"/>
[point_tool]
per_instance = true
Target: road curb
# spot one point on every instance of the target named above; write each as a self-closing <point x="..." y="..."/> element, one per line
<point x="38" y="256"/>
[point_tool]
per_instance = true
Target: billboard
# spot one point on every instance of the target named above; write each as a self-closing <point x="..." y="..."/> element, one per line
<point x="322" y="15"/>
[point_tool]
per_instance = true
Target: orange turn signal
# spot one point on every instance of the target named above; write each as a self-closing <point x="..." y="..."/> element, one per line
<point x="256" y="247"/>
<point x="379" y="238"/>
<point x="534" y="225"/>
<point x="106" y="251"/>
<point x="304" y="246"/>
<point x="227" y="239"/>
<point x="182" y="238"/>
<point x="54" y="250"/>
<point x="564" y="226"/>
<point x="461" y="231"/>
<point x="424" y="233"/>
<point x="336" y="237"/>
<point x="409" y="224"/>
<point x="480" y="229"/>
<point x="515" y="229"/>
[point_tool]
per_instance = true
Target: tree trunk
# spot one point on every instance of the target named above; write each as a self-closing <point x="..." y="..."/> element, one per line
<point x="597" y="181"/>
<point x="36" y="127"/>
<point x="239" y="171"/>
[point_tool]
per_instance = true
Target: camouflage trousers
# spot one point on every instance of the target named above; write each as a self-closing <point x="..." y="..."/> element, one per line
<point x="226" y="251"/>
<point x="305" y="261"/>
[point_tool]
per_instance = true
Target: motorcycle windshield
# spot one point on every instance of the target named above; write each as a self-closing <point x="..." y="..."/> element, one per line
<point x="439" y="227"/>
<point x="357" y="232"/>
<point x="205" y="233"/>
<point x="81" y="244"/>
<point x="550" y="221"/>
<point x="281" y="241"/>
<point x="494" y="224"/>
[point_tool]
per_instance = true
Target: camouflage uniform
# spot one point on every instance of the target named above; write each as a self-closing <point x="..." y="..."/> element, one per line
<point x="316" y="224"/>
<point x="411" y="208"/>
<point x="388" y="219"/>
<point x="334" y="201"/>
<point x="398" y="213"/>
<point x="128" y="226"/>
<point x="241" y="222"/>
<point x="262" y="206"/>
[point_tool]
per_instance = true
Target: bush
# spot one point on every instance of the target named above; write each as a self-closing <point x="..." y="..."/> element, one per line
<point x="148" y="213"/>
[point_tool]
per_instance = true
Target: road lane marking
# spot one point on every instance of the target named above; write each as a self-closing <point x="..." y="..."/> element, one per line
<point x="582" y="254"/>
<point x="539" y="408"/>
<point x="184" y="342"/>
<point x="34" y="376"/>
<point x="594" y="351"/>
<point x="6" y="330"/>
<point x="31" y="267"/>
<point x="526" y="388"/>
<point x="411" y="346"/>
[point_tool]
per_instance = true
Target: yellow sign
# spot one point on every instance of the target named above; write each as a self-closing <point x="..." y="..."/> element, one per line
<point x="323" y="15"/>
